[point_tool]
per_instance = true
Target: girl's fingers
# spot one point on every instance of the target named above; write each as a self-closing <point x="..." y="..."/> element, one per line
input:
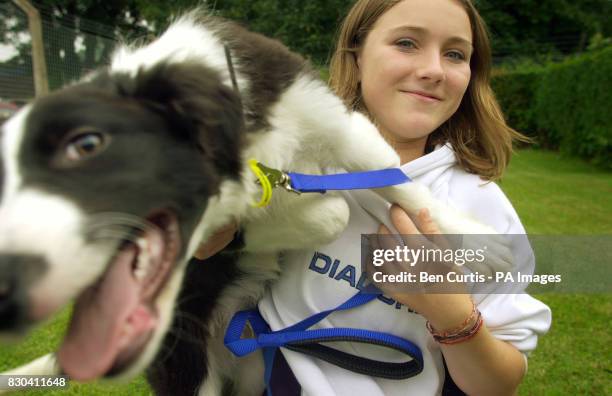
<point x="384" y="239"/>
<point x="402" y="222"/>
<point x="426" y="224"/>
<point x="383" y="230"/>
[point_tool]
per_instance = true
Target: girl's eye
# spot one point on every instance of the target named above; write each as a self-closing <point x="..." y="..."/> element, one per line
<point x="84" y="145"/>
<point x="405" y="44"/>
<point x="456" y="55"/>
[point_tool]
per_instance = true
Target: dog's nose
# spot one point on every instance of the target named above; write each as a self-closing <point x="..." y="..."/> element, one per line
<point x="9" y="304"/>
<point x="17" y="273"/>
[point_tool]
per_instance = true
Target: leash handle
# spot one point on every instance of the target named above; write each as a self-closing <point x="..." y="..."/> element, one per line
<point x="361" y="365"/>
<point x="299" y="339"/>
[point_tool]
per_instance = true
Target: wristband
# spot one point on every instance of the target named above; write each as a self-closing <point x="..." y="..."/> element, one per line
<point x="468" y="329"/>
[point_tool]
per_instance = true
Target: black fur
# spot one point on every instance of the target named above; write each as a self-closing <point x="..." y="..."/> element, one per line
<point x="180" y="366"/>
<point x="258" y="57"/>
<point x="174" y="132"/>
<point x="17" y="272"/>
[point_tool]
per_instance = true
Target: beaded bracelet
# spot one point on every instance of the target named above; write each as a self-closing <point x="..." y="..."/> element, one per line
<point x="468" y="329"/>
<point x="457" y="329"/>
<point x="462" y="337"/>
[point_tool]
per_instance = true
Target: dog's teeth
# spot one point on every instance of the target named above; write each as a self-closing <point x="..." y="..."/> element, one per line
<point x="142" y="265"/>
<point x="156" y="249"/>
<point x="140" y="273"/>
<point x="144" y="259"/>
<point x="143" y="244"/>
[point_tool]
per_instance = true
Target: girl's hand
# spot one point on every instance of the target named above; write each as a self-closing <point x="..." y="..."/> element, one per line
<point x="482" y="365"/>
<point x="219" y="240"/>
<point x="444" y="304"/>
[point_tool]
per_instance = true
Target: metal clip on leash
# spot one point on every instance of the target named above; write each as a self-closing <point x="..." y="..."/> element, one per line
<point x="269" y="179"/>
<point x="277" y="178"/>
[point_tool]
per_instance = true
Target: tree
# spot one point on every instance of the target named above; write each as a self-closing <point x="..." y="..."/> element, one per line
<point x="530" y="27"/>
<point x="80" y="34"/>
<point x="308" y="27"/>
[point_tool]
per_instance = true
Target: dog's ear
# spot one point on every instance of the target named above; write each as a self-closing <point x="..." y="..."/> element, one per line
<point x="196" y="104"/>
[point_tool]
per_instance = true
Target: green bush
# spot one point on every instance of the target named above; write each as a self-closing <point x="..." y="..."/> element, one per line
<point x="515" y="92"/>
<point x="563" y="106"/>
<point x="308" y="27"/>
<point x="573" y="105"/>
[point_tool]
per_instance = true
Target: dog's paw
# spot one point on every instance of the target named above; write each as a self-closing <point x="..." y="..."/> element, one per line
<point x="303" y="222"/>
<point x="494" y="248"/>
<point x="493" y="253"/>
<point x="451" y="222"/>
<point x="475" y="236"/>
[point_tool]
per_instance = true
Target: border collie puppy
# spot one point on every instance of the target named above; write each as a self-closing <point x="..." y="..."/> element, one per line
<point x="109" y="186"/>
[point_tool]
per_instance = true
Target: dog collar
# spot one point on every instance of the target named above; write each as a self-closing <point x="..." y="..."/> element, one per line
<point x="230" y="66"/>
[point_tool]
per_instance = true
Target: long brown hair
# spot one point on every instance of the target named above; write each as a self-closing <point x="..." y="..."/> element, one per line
<point x="477" y="131"/>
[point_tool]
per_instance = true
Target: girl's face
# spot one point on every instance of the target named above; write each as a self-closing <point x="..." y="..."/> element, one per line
<point x="414" y="67"/>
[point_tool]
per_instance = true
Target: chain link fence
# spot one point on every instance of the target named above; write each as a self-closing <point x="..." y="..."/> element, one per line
<point x="73" y="47"/>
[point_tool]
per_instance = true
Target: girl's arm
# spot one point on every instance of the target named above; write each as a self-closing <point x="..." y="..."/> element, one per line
<point x="481" y="365"/>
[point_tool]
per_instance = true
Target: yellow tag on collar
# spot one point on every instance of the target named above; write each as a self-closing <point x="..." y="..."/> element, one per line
<point x="265" y="183"/>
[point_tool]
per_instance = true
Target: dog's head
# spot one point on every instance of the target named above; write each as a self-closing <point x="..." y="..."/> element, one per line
<point x="103" y="186"/>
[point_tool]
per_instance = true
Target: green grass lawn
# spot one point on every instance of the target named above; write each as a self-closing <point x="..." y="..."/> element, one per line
<point x="46" y="339"/>
<point x="553" y="195"/>
<point x="557" y="195"/>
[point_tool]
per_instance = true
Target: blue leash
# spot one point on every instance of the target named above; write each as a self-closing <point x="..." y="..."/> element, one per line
<point x="298" y="337"/>
<point x="347" y="181"/>
<point x="303" y="183"/>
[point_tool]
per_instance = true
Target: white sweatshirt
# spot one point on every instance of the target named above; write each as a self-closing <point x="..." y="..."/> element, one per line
<point x="318" y="280"/>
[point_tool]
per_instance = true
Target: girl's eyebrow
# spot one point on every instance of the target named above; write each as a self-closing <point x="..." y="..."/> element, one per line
<point x="422" y="30"/>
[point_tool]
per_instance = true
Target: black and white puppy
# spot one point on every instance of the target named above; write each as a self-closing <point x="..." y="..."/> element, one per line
<point x="110" y="185"/>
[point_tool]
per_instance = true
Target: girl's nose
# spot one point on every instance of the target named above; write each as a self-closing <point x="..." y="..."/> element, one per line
<point x="429" y="66"/>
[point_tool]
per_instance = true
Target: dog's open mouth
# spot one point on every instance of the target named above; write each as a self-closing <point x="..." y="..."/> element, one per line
<point x="113" y="320"/>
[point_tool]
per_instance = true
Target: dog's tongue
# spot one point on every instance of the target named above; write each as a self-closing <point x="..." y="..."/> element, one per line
<point x="106" y="319"/>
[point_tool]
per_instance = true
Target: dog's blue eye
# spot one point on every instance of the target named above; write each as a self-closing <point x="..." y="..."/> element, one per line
<point x="84" y="145"/>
